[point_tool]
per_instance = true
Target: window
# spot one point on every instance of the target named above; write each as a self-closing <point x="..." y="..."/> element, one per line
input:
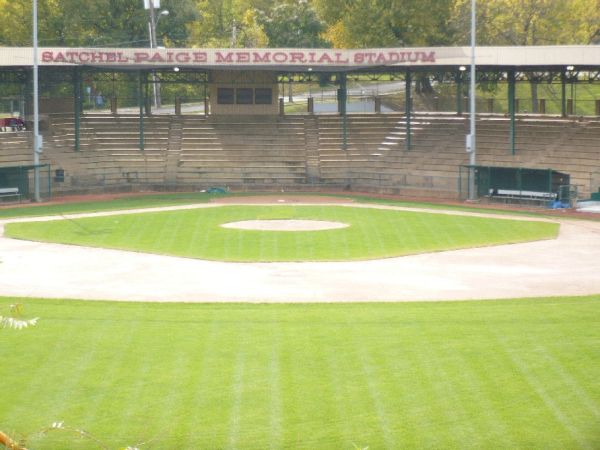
<point x="263" y="96"/>
<point x="225" y="96"/>
<point x="244" y="96"/>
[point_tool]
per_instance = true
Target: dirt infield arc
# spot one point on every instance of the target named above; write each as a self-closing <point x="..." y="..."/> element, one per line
<point x="568" y="265"/>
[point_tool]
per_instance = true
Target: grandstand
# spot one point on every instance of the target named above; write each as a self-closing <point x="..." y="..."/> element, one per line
<point x="303" y="152"/>
<point x="244" y="141"/>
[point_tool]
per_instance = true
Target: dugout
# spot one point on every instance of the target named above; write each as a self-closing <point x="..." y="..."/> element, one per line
<point x="21" y="177"/>
<point x="516" y="184"/>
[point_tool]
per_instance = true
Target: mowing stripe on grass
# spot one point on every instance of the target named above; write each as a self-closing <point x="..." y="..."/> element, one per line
<point x="373" y="233"/>
<point x="582" y="396"/>
<point x="237" y="391"/>
<point x="546" y="397"/>
<point x="370" y="379"/>
<point x="513" y="374"/>
<point x="275" y="395"/>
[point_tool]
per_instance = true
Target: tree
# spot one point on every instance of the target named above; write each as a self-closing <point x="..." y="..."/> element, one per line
<point x="386" y="23"/>
<point x="530" y="22"/>
<point x="114" y="23"/>
<point x="227" y="23"/>
<point x="293" y="24"/>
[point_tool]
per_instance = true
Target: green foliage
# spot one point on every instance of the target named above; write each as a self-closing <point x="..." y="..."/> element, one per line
<point x="117" y="23"/>
<point x="302" y="23"/>
<point x="387" y="23"/>
<point x="227" y="23"/>
<point x="293" y="24"/>
<point x="519" y="374"/>
<point x="530" y="22"/>
<point x="373" y="233"/>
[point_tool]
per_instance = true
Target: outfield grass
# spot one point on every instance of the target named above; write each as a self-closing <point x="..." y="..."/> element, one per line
<point x="494" y="374"/>
<point x="373" y="233"/>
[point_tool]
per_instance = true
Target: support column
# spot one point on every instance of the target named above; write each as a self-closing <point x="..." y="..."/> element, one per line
<point x="77" y="89"/>
<point x="342" y="94"/>
<point x="141" y="103"/>
<point x="512" y="109"/>
<point x="342" y="97"/>
<point x="459" y="93"/>
<point x="408" y="107"/>
<point x="114" y="108"/>
<point x="563" y="94"/>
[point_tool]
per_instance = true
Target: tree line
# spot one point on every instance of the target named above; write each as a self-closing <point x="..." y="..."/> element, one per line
<point x="302" y="23"/>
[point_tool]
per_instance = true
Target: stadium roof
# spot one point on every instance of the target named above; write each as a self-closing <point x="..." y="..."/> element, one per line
<point x="581" y="57"/>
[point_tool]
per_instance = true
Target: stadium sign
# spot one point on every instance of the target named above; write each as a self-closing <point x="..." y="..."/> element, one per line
<point x="225" y="57"/>
<point x="583" y="57"/>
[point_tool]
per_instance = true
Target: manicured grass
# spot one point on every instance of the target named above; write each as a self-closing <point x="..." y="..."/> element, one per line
<point x="132" y="202"/>
<point x="197" y="233"/>
<point x="494" y="374"/>
<point x="158" y="200"/>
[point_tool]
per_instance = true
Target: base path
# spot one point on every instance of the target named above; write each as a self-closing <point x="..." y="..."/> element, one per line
<point x="568" y="265"/>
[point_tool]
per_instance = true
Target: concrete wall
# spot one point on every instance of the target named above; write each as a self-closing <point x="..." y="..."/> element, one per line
<point x="243" y="79"/>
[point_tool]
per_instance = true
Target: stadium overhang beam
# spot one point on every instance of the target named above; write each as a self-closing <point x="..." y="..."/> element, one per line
<point x="582" y="57"/>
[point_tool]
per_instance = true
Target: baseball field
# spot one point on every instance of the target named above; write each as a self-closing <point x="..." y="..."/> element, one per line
<point x="505" y="373"/>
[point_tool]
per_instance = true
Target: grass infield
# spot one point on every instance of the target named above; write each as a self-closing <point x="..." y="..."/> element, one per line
<point x="494" y="374"/>
<point x="373" y="233"/>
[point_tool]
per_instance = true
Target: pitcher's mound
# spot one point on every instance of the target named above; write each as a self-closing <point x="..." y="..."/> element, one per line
<point x="285" y="225"/>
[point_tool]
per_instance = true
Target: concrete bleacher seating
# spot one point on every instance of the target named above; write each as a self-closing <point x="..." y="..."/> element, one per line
<point x="242" y="151"/>
<point x="304" y="151"/>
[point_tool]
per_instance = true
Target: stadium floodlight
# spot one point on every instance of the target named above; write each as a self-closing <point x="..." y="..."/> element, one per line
<point x="462" y="68"/>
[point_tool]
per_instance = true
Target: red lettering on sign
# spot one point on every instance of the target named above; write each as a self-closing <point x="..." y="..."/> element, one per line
<point x="339" y="60"/>
<point x="428" y="57"/>
<point x="47" y="56"/>
<point x="280" y="57"/>
<point x="325" y="58"/>
<point x="265" y="58"/>
<point x="157" y="57"/>
<point x="200" y="57"/>
<point x="297" y="57"/>
<point x="221" y="58"/>
<point x="243" y="57"/>
<point x="182" y="57"/>
<point x="381" y="59"/>
<point x="59" y="57"/>
<point x="141" y="56"/>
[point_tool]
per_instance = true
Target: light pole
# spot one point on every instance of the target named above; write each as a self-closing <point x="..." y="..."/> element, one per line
<point x="471" y="142"/>
<point x="152" y="30"/>
<point x="37" y="142"/>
